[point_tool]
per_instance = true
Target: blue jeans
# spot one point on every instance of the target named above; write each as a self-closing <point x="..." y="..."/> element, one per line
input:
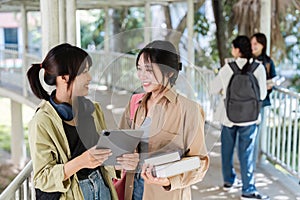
<point x="260" y="129"/>
<point x="94" y="188"/>
<point x="138" y="188"/>
<point x="246" y="139"/>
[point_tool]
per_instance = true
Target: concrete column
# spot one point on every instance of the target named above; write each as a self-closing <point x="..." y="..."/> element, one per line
<point x="107" y="43"/>
<point x="190" y="28"/>
<point x="265" y="27"/>
<point x="191" y="49"/>
<point x="147" y="29"/>
<point x="62" y="21"/>
<point x="106" y="30"/>
<point x="50" y="33"/>
<point x="78" y="34"/>
<point x="24" y="48"/>
<point x="71" y="21"/>
<point x="18" y="148"/>
<point x="265" y="21"/>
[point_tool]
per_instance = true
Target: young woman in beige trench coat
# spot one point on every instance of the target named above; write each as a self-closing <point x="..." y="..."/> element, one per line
<point x="170" y="122"/>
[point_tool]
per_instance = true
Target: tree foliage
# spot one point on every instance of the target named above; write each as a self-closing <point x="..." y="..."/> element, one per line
<point x="251" y="9"/>
<point x="201" y="25"/>
<point x="285" y="29"/>
<point x="92" y="32"/>
<point x="231" y="18"/>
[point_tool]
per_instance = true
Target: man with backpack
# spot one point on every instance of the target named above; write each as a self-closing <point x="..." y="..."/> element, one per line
<point x="242" y="84"/>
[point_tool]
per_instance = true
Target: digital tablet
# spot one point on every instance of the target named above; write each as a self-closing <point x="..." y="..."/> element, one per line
<point x="120" y="142"/>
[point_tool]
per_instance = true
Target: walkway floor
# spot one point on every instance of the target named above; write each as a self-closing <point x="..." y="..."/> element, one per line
<point x="268" y="179"/>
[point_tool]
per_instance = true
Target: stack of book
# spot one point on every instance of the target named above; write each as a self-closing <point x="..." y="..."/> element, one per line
<point x="276" y="81"/>
<point x="170" y="164"/>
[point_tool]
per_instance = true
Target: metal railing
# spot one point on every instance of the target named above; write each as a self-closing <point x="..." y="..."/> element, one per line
<point x="114" y="70"/>
<point x="283" y="131"/>
<point x="20" y="187"/>
<point x="117" y="71"/>
<point x="13" y="66"/>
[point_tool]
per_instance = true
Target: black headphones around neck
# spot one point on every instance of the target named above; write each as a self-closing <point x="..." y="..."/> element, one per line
<point x="64" y="110"/>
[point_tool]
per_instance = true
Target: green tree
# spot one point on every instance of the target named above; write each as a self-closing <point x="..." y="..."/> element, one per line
<point x="292" y="33"/>
<point x="245" y="10"/>
<point x="92" y="32"/>
<point x="285" y="24"/>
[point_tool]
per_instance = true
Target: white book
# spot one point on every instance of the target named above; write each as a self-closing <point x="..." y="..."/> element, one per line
<point x="276" y="81"/>
<point x="177" y="167"/>
<point x="163" y="158"/>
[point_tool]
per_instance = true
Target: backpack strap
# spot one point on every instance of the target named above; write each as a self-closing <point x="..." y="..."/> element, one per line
<point x="234" y="67"/>
<point x="253" y="66"/>
<point x="134" y="103"/>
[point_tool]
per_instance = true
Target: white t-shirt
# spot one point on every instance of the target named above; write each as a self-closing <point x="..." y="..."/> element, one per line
<point x="219" y="86"/>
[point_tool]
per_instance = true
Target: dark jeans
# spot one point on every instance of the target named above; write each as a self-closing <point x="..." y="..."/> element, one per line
<point x="246" y="139"/>
<point x="94" y="187"/>
<point x="138" y="189"/>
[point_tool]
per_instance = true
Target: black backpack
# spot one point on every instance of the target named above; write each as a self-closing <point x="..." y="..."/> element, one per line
<point x="242" y="100"/>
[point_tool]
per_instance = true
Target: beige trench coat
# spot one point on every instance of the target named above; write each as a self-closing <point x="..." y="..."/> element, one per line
<point x="177" y="122"/>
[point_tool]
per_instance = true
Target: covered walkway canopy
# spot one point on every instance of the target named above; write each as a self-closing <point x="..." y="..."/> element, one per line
<point x="59" y="18"/>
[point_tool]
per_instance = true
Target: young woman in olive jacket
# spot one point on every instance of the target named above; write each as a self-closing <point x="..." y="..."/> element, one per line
<point x="65" y="129"/>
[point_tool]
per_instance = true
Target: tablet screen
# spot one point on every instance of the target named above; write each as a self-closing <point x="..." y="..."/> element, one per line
<point x="120" y="142"/>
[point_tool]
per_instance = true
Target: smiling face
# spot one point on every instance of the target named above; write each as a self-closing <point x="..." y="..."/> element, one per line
<point x="256" y="47"/>
<point x="149" y="74"/>
<point x="81" y="82"/>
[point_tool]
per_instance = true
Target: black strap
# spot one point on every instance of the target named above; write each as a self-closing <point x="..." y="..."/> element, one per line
<point x="234" y="67"/>
<point x="253" y="67"/>
<point x="247" y="68"/>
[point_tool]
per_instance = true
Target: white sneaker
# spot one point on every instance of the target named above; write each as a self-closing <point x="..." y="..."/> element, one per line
<point x="236" y="184"/>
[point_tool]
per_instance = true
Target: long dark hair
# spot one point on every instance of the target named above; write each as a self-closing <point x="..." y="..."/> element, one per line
<point x="262" y="39"/>
<point x="164" y="54"/>
<point x="63" y="59"/>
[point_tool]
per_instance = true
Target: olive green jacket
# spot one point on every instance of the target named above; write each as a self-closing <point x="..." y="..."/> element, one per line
<point x="50" y="150"/>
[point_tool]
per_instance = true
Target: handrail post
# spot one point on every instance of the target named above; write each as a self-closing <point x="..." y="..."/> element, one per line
<point x="17" y="182"/>
<point x="263" y="137"/>
<point x="24" y="49"/>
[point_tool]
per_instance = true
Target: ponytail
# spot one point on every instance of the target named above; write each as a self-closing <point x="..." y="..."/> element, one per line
<point x="34" y="81"/>
<point x="63" y="59"/>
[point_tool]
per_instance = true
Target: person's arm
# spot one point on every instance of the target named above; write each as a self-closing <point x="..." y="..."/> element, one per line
<point x="272" y="69"/>
<point x="194" y="137"/>
<point x="91" y="159"/>
<point x="51" y="167"/>
<point x="47" y="162"/>
<point x="215" y="86"/>
<point x="146" y="174"/>
<point x="260" y="74"/>
<point x="272" y="74"/>
<point x="195" y="143"/>
<point x="218" y="84"/>
<point x="128" y="161"/>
